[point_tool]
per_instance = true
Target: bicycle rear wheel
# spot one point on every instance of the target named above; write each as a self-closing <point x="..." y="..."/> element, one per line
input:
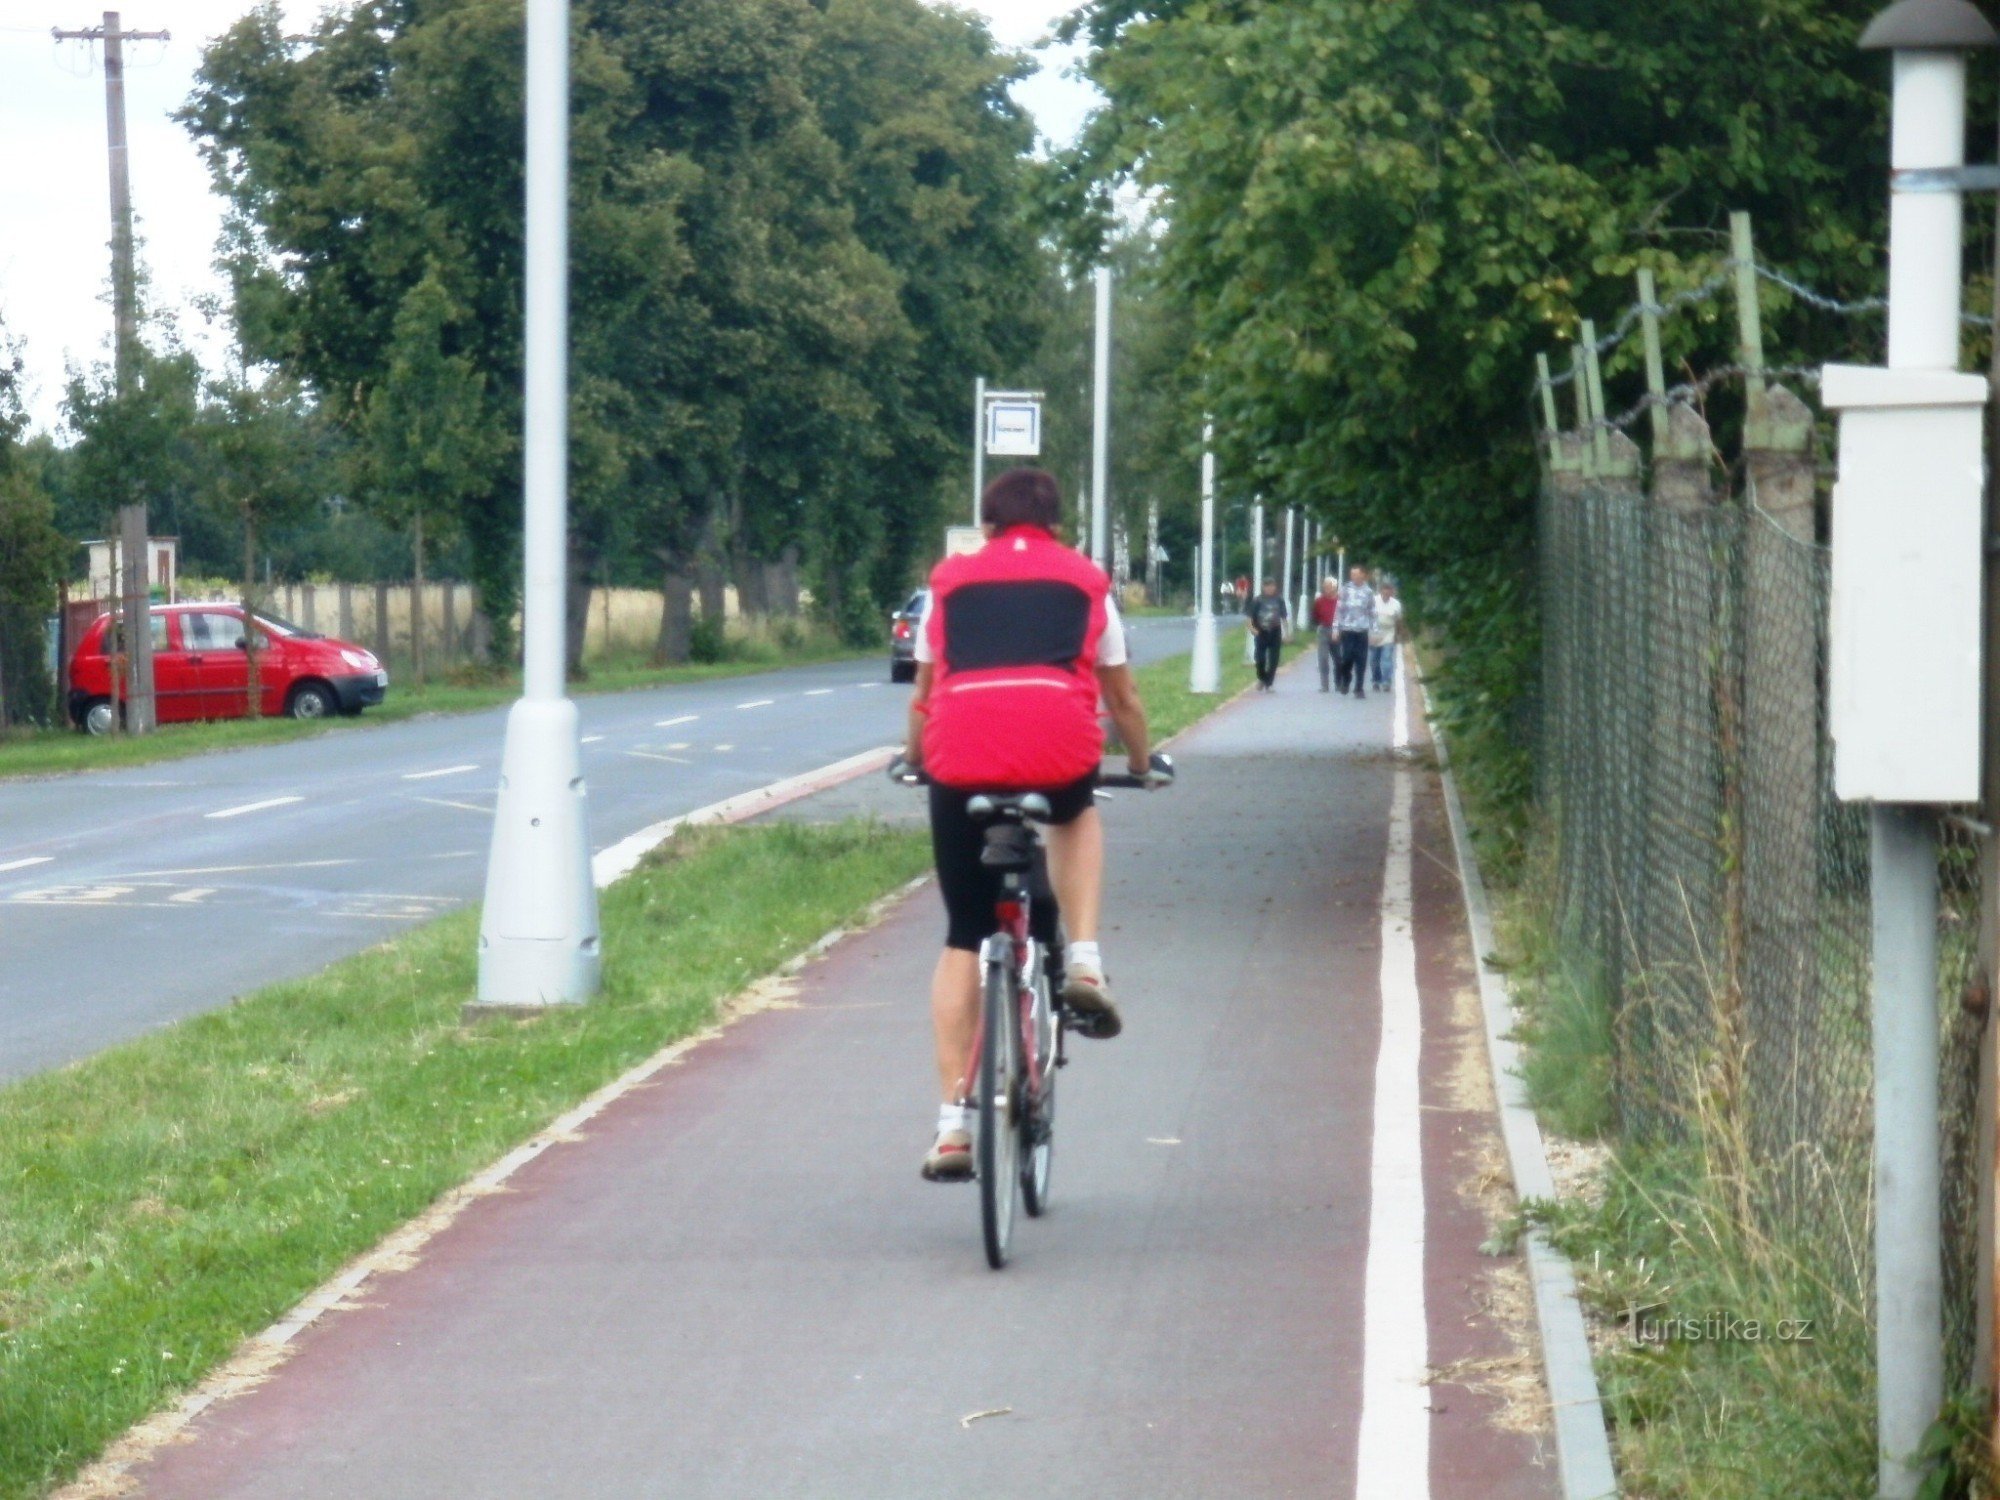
<point x="999" y="1110"/>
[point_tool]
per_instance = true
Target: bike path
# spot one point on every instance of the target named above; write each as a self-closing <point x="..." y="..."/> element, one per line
<point x="734" y="1284"/>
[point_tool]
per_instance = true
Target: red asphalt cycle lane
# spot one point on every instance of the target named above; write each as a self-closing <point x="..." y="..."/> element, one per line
<point x="734" y="1285"/>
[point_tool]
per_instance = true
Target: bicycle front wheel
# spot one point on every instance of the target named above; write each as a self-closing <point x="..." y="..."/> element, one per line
<point x="999" y="1111"/>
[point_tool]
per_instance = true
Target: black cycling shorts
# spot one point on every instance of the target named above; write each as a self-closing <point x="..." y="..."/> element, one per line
<point x="970" y="890"/>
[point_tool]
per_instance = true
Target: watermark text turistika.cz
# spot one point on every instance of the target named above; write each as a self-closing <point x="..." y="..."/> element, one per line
<point x="1717" y="1326"/>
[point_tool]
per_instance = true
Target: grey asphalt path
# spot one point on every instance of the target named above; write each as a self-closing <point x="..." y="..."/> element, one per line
<point x="733" y="1285"/>
<point x="130" y="899"/>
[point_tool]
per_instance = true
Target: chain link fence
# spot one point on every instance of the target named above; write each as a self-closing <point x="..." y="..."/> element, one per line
<point x="1711" y="890"/>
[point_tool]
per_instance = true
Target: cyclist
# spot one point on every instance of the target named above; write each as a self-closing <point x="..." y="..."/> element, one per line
<point x="1015" y="644"/>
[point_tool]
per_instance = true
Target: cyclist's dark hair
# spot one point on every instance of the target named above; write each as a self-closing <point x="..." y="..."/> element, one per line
<point x="1022" y="497"/>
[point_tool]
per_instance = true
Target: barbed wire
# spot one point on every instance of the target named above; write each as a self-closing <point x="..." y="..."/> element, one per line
<point x="1690" y="392"/>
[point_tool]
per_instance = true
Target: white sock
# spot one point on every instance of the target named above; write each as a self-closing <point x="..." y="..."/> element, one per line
<point x="1084" y="955"/>
<point x="953" y="1117"/>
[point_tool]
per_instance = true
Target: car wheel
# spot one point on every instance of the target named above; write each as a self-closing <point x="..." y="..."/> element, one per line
<point x="902" y="671"/>
<point x="99" y="716"/>
<point x="312" y="700"/>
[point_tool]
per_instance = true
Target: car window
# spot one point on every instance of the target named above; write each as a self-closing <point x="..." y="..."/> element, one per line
<point x="916" y="604"/>
<point x="210" y="631"/>
<point x="114" y="635"/>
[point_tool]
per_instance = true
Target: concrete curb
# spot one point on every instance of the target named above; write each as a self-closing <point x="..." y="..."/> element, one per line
<point x="1583" y="1444"/>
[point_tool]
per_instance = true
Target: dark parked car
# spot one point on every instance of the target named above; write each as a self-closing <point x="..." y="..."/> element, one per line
<point x="903" y="638"/>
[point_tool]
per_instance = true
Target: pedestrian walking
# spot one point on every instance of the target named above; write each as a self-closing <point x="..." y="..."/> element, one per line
<point x="1324" y="608"/>
<point x="1269" y="615"/>
<point x="1383" y="639"/>
<point x="1353" y="619"/>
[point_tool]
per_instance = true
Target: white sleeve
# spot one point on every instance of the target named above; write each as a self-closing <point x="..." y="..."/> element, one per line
<point x="1111" y="650"/>
<point x="924" y="631"/>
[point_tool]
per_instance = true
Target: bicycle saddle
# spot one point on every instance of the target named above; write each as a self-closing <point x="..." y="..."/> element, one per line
<point x="1019" y="807"/>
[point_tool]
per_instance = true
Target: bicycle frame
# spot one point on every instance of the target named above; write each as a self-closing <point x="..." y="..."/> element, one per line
<point x="1012" y="945"/>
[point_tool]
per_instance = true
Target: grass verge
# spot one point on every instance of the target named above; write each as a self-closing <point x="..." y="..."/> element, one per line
<point x="54" y="752"/>
<point x="164" y="1200"/>
<point x="1163" y="686"/>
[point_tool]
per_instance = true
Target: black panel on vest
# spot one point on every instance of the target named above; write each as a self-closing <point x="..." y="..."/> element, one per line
<point x="1032" y="623"/>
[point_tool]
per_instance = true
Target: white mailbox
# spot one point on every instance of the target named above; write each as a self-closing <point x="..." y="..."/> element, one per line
<point x="1904" y="636"/>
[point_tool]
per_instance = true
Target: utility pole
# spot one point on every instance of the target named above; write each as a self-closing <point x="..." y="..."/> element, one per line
<point x="1100" y="423"/>
<point x="1204" y="662"/>
<point x="136" y="605"/>
<point x="978" y="445"/>
<point x="1153" y="552"/>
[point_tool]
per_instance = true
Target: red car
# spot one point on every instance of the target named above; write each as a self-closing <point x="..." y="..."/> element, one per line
<point x="201" y="669"/>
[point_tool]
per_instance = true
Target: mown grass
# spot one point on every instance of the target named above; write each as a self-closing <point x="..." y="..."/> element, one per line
<point x="163" y="1200"/>
<point x="58" y="751"/>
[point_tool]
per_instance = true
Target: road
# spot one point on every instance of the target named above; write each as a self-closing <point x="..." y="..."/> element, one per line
<point x="1260" y="1277"/>
<point x="129" y="899"/>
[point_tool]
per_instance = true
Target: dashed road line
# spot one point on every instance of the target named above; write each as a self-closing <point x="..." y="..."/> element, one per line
<point x="867" y="684"/>
<point x="193" y="896"/>
<point x="591" y="739"/>
<point x="471" y="807"/>
<point x="441" y="771"/>
<point x="250" y="807"/>
<point x="656" y="755"/>
<point x="294" y="864"/>
<point x="758" y="703"/>
<point x="817" y="692"/>
<point x="724" y="749"/>
<point x="683" y="719"/>
<point x="22" y="864"/>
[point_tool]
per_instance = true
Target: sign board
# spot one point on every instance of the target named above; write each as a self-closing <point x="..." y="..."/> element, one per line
<point x="1014" y="426"/>
<point x="959" y="540"/>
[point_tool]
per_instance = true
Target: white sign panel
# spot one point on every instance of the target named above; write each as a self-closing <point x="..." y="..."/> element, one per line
<point x="1907" y="526"/>
<point x="1014" y="428"/>
<point x="959" y="540"/>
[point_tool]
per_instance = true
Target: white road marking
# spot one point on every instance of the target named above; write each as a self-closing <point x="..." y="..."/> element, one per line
<point x="250" y="807"/>
<point x="724" y="749"/>
<point x="868" y="684"/>
<point x="757" y="703"/>
<point x="1393" y="1458"/>
<point x="817" y="692"/>
<point x="656" y="755"/>
<point x="192" y="896"/>
<point x="683" y="719"/>
<point x="471" y="807"/>
<point x="441" y="771"/>
<point x="680" y="745"/>
<point x="22" y="864"/>
<point x="591" y="739"/>
<point x="1399" y="717"/>
<point x="301" y="864"/>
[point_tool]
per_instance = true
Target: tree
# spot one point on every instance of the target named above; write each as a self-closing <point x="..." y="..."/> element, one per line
<point x="32" y="552"/>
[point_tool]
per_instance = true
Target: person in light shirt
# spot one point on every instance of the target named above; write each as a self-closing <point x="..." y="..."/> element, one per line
<point x="1353" y="619"/>
<point x="1383" y="638"/>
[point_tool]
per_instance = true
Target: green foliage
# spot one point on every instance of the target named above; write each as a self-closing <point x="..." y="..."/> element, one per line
<point x="1375" y="215"/>
<point x="32" y="552"/>
<point x="799" y="229"/>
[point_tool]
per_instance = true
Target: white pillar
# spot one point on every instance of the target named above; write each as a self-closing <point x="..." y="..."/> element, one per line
<point x="1925" y="229"/>
<point x="1100" y="424"/>
<point x="978" y="444"/>
<point x="1205" y="662"/>
<point x="538" y="934"/>
<point x="1256" y="571"/>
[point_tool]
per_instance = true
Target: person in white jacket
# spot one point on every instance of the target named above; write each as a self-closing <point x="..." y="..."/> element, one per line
<point x="1382" y="639"/>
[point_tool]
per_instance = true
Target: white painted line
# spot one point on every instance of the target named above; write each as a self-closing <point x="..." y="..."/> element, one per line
<point x="298" y="864"/>
<point x="1399" y="717"/>
<point x="758" y="703"/>
<point x="868" y="684"/>
<point x="591" y="739"/>
<point x="817" y="692"/>
<point x="471" y="807"/>
<point x="680" y="745"/>
<point x="655" y="755"/>
<point x="623" y="857"/>
<point x="441" y="771"/>
<point x="1392" y="1461"/>
<point x="250" y="807"/>
<point x="724" y="749"/>
<point x="683" y="719"/>
<point x="191" y="897"/>
<point x="22" y="864"/>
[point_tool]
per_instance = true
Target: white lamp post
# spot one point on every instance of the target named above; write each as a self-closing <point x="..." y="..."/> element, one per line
<point x="1205" y="661"/>
<point x="1100" y="425"/>
<point x="538" y="937"/>
<point x="1256" y="572"/>
<point x="1907" y="523"/>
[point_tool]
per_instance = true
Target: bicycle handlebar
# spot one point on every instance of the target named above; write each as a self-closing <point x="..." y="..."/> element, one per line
<point x="1160" y="774"/>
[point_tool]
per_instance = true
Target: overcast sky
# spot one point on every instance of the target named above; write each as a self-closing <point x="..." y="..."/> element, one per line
<point x="54" y="203"/>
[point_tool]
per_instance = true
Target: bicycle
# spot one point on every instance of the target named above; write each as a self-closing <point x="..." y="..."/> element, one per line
<point x="1018" y="1046"/>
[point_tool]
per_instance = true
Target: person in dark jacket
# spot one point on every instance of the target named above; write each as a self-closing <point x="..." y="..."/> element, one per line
<point x="1269" y="615"/>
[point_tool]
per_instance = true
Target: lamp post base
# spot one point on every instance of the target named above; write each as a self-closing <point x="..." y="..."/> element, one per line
<point x="1205" y="661"/>
<point x="538" y="933"/>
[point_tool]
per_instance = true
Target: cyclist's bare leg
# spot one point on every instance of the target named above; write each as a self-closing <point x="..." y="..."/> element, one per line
<point x="1076" y="870"/>
<point x="954" y="1017"/>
